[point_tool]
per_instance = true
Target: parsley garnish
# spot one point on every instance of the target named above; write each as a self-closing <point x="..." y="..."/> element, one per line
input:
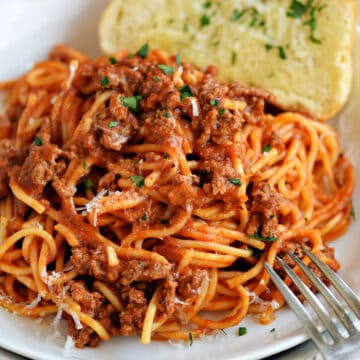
<point x="191" y="341"/>
<point x="353" y="211"/>
<point x="88" y="183"/>
<point x="281" y="51"/>
<point x="256" y="253"/>
<point x="235" y="181"/>
<point x="204" y="20"/>
<point x="312" y="24"/>
<point x="258" y="236"/>
<point x="177" y="60"/>
<point x="221" y="111"/>
<point x="84" y="165"/>
<point x="165" y="69"/>
<point x="272" y="330"/>
<point x="282" y="54"/>
<point x="156" y="78"/>
<point x="242" y="331"/>
<point x="214" y="102"/>
<point x="138" y="180"/>
<point x="38" y="141"/>
<point x="112" y="124"/>
<point x="166" y="156"/>
<point x="104" y="81"/>
<point x="306" y="219"/>
<point x="143" y="51"/>
<point x="297" y="9"/>
<point x="185" y="28"/>
<point x="185" y="92"/>
<point x="236" y="15"/>
<point x="266" y="148"/>
<point x="144" y="217"/>
<point x="112" y="61"/>
<point x="166" y="114"/>
<point x="132" y="102"/>
<point x="206" y="4"/>
<point x="233" y="57"/>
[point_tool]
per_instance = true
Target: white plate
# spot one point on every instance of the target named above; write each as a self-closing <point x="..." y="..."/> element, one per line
<point x="28" y="29"/>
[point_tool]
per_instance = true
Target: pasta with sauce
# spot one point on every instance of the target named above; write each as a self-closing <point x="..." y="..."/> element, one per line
<point x="138" y="191"/>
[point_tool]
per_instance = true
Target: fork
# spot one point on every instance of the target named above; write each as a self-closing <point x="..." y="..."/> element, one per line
<point x="337" y="337"/>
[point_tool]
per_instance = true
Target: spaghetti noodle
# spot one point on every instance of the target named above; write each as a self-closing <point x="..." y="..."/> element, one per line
<point x="137" y="191"/>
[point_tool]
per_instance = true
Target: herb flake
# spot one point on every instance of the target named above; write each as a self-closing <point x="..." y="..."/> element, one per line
<point x="257" y="236"/>
<point x="242" y="331"/>
<point x="207" y="4"/>
<point x="38" y="141"/>
<point x="177" y="60"/>
<point x="88" y="183"/>
<point x="204" y="20"/>
<point x="233" y="58"/>
<point x="167" y="70"/>
<point x="112" y="60"/>
<point x="112" y="124"/>
<point x="156" y="78"/>
<point x="104" y="81"/>
<point x="221" y="111"/>
<point x="132" y="102"/>
<point x="214" y="102"/>
<point x="191" y="341"/>
<point x="143" y="51"/>
<point x="138" y="180"/>
<point x="235" y="181"/>
<point x="353" y="216"/>
<point x="166" y="156"/>
<point x="266" y="148"/>
<point x="144" y="217"/>
<point x="185" y="91"/>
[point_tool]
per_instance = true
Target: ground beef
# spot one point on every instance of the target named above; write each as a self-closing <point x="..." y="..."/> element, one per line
<point x="94" y="262"/>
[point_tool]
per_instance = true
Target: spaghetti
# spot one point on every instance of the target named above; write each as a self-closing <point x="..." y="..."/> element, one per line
<point x="137" y="191"/>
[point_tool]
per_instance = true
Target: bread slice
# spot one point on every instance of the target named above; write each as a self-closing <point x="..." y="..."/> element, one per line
<point x="300" y="50"/>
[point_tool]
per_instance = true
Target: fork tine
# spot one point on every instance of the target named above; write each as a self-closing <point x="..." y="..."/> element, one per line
<point x="317" y="306"/>
<point x="327" y="294"/>
<point x="296" y="306"/>
<point x="338" y="283"/>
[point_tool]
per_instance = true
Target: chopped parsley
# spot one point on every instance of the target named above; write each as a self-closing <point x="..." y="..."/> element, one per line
<point x="185" y="28"/>
<point x="167" y="70"/>
<point x="266" y="148"/>
<point x="207" y="4"/>
<point x="306" y="219"/>
<point x="214" y="102"/>
<point x="221" y="111"/>
<point x="143" y="51"/>
<point x="272" y="330"/>
<point x="132" y="102"/>
<point x="112" y="60"/>
<point x="233" y="57"/>
<point x="144" y="217"/>
<point x="112" y="124"/>
<point x="312" y="24"/>
<point x="38" y="141"/>
<point x="353" y="211"/>
<point x="235" y="181"/>
<point x="191" y="341"/>
<point x="88" y="183"/>
<point x="236" y="15"/>
<point x="281" y="51"/>
<point x="242" y="331"/>
<point x="256" y="253"/>
<point x="104" y="81"/>
<point x="84" y="165"/>
<point x="164" y="221"/>
<point x="257" y="236"/>
<point x="166" y="156"/>
<point x="297" y="9"/>
<point x="138" y="180"/>
<point x="272" y="216"/>
<point x="156" y="78"/>
<point x="177" y="60"/>
<point x="282" y="54"/>
<point x="166" y="114"/>
<point x="204" y="20"/>
<point x="185" y="91"/>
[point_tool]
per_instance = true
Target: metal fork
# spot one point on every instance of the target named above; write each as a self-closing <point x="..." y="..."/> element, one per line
<point x="337" y="337"/>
